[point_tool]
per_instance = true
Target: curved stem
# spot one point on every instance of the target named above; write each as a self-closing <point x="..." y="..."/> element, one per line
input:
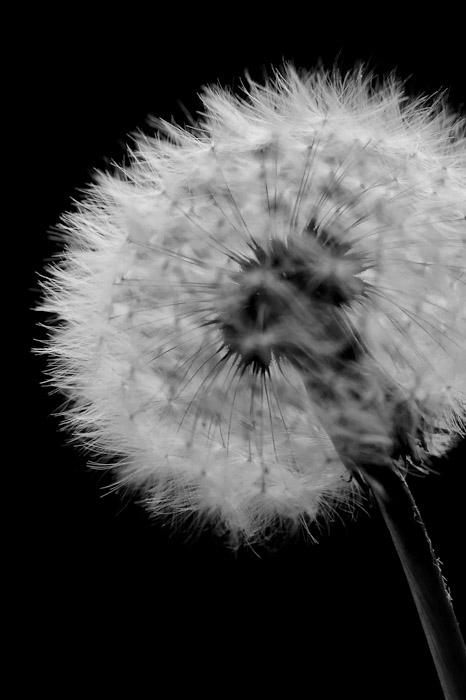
<point x="425" y="580"/>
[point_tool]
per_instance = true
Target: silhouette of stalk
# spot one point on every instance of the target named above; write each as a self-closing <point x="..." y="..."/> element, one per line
<point x="424" y="576"/>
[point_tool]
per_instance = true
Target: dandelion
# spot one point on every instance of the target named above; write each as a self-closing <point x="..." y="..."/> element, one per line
<point x="286" y="277"/>
<point x="263" y="313"/>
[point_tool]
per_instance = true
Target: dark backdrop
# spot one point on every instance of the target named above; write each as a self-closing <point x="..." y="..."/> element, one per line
<point x="104" y="589"/>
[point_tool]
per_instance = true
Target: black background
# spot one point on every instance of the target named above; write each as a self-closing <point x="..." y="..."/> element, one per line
<point x="102" y="588"/>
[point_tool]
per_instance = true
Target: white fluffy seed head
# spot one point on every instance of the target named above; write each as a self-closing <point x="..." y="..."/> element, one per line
<point x="252" y="303"/>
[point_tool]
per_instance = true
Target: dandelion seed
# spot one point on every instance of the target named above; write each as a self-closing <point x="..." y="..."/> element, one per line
<point x="254" y="306"/>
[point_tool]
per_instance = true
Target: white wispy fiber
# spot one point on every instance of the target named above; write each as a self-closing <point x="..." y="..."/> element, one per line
<point x="254" y="305"/>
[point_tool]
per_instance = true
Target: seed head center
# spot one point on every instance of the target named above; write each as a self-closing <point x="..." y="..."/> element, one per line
<point x="278" y="282"/>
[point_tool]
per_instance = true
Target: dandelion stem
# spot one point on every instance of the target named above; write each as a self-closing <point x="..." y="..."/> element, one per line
<point x="424" y="576"/>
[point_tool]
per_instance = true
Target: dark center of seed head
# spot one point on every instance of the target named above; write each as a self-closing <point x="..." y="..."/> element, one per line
<point x="318" y="274"/>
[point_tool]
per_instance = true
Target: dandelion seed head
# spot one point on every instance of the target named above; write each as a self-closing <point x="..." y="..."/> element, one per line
<point x="251" y="306"/>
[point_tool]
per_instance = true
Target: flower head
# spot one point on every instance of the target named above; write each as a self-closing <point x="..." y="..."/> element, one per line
<point x="252" y="306"/>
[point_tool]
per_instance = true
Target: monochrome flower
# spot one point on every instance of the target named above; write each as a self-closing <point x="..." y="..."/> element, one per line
<point x="253" y="305"/>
